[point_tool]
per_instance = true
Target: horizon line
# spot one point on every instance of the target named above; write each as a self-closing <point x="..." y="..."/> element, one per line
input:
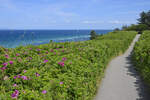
<point x="56" y="29"/>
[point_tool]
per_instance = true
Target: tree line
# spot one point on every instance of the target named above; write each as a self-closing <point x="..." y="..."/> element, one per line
<point x="143" y="23"/>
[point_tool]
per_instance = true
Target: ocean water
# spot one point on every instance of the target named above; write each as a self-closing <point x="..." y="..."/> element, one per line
<point x="14" y="38"/>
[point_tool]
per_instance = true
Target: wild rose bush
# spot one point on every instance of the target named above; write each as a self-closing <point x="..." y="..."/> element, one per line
<point x="58" y="71"/>
<point x="141" y="56"/>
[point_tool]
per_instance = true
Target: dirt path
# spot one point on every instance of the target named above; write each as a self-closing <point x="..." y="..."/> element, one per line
<point x="121" y="81"/>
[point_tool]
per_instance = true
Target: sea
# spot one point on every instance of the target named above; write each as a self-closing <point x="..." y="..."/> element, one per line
<point x="15" y="38"/>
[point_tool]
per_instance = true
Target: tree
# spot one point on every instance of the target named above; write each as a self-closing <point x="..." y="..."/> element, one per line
<point x="51" y="41"/>
<point x="116" y="29"/>
<point x="93" y="35"/>
<point x="124" y="27"/>
<point x="144" y="18"/>
<point x="143" y="23"/>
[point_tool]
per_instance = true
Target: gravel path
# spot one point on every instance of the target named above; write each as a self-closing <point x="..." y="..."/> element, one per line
<point x="121" y="81"/>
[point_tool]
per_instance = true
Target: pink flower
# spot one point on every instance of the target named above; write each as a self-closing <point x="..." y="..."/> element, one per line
<point x="45" y="61"/>
<point x="30" y="48"/>
<point x="25" y="71"/>
<point x="54" y="53"/>
<point x="11" y="62"/>
<point x="37" y="74"/>
<point x="17" y="54"/>
<point x="14" y="85"/>
<point x="15" y="77"/>
<point x="14" y="58"/>
<point x="15" y="94"/>
<point x="38" y="49"/>
<point x="46" y="52"/>
<point x="24" y="77"/>
<point x="44" y="91"/>
<point x="61" y="64"/>
<point x="63" y="59"/>
<point x="3" y="68"/>
<point x="30" y="58"/>
<point x="63" y="50"/>
<point x="6" y="56"/>
<point x="19" y="76"/>
<point x="61" y="83"/>
<point x="51" y="50"/>
<point x="5" y="64"/>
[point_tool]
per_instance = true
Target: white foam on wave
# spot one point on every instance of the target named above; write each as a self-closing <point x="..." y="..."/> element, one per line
<point x="61" y="39"/>
<point x="42" y="41"/>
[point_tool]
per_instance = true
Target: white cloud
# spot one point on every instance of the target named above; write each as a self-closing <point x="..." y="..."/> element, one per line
<point x="107" y="22"/>
<point x="120" y="22"/>
<point x="91" y="22"/>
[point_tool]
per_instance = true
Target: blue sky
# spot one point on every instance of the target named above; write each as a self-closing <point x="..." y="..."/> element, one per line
<point x="70" y="14"/>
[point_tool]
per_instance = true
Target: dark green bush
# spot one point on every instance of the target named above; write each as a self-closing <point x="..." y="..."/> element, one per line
<point x="141" y="56"/>
<point x="139" y="28"/>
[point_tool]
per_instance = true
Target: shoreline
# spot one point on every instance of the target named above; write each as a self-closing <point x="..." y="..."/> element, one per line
<point x="21" y="38"/>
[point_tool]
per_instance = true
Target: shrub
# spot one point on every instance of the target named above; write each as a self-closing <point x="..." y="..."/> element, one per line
<point x="139" y="28"/>
<point x="58" y="71"/>
<point x="141" y="56"/>
<point x="116" y="29"/>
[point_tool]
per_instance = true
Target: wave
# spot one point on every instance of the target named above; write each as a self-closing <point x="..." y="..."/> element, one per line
<point x="63" y="39"/>
<point x="9" y="44"/>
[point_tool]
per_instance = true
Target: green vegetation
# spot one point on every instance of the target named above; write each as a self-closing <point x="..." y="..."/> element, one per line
<point x="139" y="27"/>
<point x="59" y="71"/>
<point x="145" y="18"/>
<point x="116" y="29"/>
<point x="143" y="24"/>
<point x="93" y="35"/>
<point x="141" y="56"/>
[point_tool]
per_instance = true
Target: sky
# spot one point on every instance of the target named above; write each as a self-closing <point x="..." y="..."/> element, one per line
<point x="70" y="14"/>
